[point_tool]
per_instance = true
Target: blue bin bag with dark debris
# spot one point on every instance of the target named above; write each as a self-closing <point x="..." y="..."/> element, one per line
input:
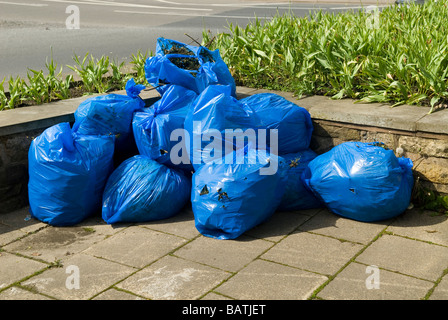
<point x="361" y="181"/>
<point x="229" y="199"/>
<point x="67" y="174"/>
<point x="193" y="67"/>
<point x="141" y="189"/>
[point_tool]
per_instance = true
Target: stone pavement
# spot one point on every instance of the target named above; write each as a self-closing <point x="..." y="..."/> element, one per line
<point x="311" y="254"/>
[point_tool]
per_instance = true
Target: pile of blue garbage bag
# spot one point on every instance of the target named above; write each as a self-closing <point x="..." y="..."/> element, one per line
<point x="234" y="161"/>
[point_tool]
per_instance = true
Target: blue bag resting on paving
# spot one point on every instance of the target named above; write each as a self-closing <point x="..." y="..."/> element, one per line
<point x="141" y="189"/>
<point x="229" y="199"/>
<point x="111" y="114"/>
<point x="192" y="67"/>
<point x="154" y="126"/>
<point x="67" y="174"/>
<point x="297" y="196"/>
<point x="361" y="181"/>
<point x="293" y="123"/>
<point x="214" y="113"/>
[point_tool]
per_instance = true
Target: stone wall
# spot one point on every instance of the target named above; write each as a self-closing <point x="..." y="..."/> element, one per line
<point x="14" y="169"/>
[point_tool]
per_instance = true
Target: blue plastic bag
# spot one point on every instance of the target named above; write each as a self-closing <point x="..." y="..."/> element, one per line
<point x="67" y="174"/>
<point x="153" y="126"/>
<point x="215" y="111"/>
<point x="361" y="181"/>
<point x="192" y="67"/>
<point x="141" y="189"/>
<point x="111" y="114"/>
<point x="297" y="196"/>
<point x="229" y="198"/>
<point x="293" y="123"/>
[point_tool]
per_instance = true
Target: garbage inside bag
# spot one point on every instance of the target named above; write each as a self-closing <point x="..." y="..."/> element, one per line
<point x="293" y="123"/>
<point x="154" y="126"/>
<point x="229" y="198"/>
<point x="192" y="67"/>
<point x="111" y="114"/>
<point x="216" y="123"/>
<point x="297" y="196"/>
<point x="141" y="189"/>
<point x="361" y="181"/>
<point x="67" y="174"/>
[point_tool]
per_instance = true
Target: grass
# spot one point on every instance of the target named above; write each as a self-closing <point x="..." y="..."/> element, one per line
<point x="397" y="56"/>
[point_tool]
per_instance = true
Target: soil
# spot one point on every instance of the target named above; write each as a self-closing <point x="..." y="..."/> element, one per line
<point x="186" y="63"/>
<point x="178" y="49"/>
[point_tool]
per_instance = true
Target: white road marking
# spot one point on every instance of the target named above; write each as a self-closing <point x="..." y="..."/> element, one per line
<point x="237" y="5"/>
<point x="121" y="4"/>
<point x="25" y="4"/>
<point x="189" y="14"/>
<point x="359" y="7"/>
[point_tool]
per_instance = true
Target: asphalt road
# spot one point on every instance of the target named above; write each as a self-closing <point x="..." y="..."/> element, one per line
<point x="31" y="30"/>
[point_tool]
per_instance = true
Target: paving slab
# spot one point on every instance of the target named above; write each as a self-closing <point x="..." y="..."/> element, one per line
<point x="356" y="282"/>
<point x="407" y="256"/>
<point x="172" y="278"/>
<point x="95" y="276"/>
<point x="229" y="255"/>
<point x="114" y="294"/>
<point x="312" y="252"/>
<point x="135" y="246"/>
<point x="215" y="296"/>
<point x="278" y="225"/>
<point x="181" y="225"/>
<point x="330" y="224"/>
<point x="422" y="225"/>
<point x="262" y="280"/>
<point x="16" y="293"/>
<point x="441" y="291"/>
<point x="17" y="224"/>
<point x="59" y="243"/>
<point x="15" y="268"/>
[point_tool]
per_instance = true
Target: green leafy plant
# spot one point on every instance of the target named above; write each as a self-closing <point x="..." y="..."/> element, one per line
<point x="402" y="58"/>
<point x="3" y="98"/>
<point x="46" y="88"/>
<point x="138" y="65"/>
<point x="92" y="72"/>
<point x="117" y="79"/>
<point x="16" y="91"/>
<point x="59" y="88"/>
<point x="38" y="88"/>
